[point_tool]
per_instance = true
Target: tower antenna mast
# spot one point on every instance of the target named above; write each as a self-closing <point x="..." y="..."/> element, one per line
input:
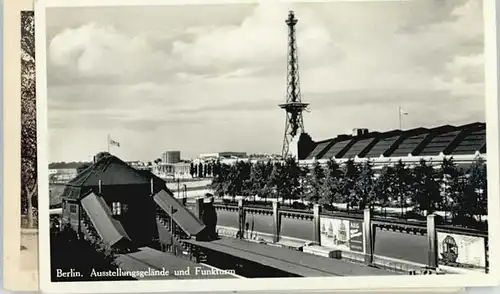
<point x="294" y="123"/>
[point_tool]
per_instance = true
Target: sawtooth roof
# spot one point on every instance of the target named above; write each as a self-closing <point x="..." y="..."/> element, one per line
<point x="446" y="139"/>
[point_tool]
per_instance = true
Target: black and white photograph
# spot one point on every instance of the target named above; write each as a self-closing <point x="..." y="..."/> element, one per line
<point x="20" y="205"/>
<point x="227" y="141"/>
<point x="29" y="191"/>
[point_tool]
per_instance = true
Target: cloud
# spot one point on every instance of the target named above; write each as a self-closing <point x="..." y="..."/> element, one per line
<point x="95" y="51"/>
<point x="358" y="63"/>
<point x="260" y="40"/>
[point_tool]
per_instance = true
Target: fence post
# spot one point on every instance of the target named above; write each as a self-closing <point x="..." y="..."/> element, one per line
<point x="487" y="255"/>
<point x="241" y="219"/>
<point x="432" y="242"/>
<point x="276" y="222"/>
<point x="317" y="224"/>
<point x="368" y="236"/>
<point x="172" y="229"/>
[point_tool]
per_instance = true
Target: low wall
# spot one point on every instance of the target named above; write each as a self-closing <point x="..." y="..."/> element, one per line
<point x="360" y="239"/>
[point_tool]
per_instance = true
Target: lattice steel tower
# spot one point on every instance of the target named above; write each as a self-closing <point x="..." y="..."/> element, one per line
<point x="293" y="106"/>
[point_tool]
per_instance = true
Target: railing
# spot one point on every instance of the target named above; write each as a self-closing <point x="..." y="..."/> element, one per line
<point x="253" y="210"/>
<point x="87" y="227"/>
<point x="294" y="214"/>
<point x="462" y="230"/>
<point x="226" y="207"/>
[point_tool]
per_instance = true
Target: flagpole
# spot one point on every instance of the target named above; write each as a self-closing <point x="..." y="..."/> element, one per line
<point x="108" y="143"/>
<point x="400" y="119"/>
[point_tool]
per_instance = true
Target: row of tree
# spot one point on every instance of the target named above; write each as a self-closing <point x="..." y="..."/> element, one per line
<point x="424" y="188"/>
<point x="29" y="187"/>
<point x="201" y="170"/>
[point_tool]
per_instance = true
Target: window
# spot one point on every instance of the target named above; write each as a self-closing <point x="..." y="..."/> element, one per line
<point x="117" y="208"/>
<point x="72" y="208"/>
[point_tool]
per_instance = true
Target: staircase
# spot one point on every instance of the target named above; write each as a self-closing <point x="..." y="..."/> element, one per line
<point x="178" y="237"/>
<point x="176" y="233"/>
<point x="88" y="230"/>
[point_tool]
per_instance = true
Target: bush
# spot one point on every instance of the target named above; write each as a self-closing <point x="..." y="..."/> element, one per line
<point x="68" y="252"/>
<point x="298" y="205"/>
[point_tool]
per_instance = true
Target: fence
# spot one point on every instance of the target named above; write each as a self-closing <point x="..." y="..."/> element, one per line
<point x="355" y="235"/>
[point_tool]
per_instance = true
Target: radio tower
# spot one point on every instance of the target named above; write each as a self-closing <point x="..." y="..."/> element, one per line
<point x="293" y="106"/>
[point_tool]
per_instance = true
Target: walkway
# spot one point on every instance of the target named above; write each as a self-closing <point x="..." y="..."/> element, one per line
<point x="291" y="261"/>
<point x="150" y="260"/>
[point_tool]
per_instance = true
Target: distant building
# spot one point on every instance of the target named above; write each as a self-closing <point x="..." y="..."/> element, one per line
<point x="464" y="143"/>
<point x="63" y="171"/>
<point x="179" y="170"/>
<point x="139" y="165"/>
<point x="223" y="155"/>
<point x="62" y="174"/>
<point x="171" y="157"/>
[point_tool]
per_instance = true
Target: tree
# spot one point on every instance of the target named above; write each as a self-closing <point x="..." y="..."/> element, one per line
<point x="304" y="186"/>
<point x="245" y="169"/>
<point x="80" y="254"/>
<point x="402" y="184"/>
<point x="332" y="185"/>
<point x="290" y="185"/>
<point x="385" y="186"/>
<point x="476" y="197"/>
<point x="351" y="173"/>
<point x="216" y="168"/>
<point x="426" y="191"/>
<point x="259" y="176"/>
<point x="209" y="169"/>
<point x="452" y="187"/>
<point x="195" y="170"/>
<point x="276" y="180"/>
<point x="316" y="181"/>
<point x="231" y="181"/>
<point x="192" y="170"/>
<point x="267" y="184"/>
<point x="29" y="188"/>
<point x="220" y="178"/>
<point x="200" y="170"/>
<point x="364" y="187"/>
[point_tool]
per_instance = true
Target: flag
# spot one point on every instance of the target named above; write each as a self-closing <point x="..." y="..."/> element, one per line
<point x="403" y="112"/>
<point x="113" y="142"/>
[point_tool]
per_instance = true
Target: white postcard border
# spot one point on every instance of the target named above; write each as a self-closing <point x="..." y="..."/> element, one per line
<point x="15" y="278"/>
<point x="275" y="284"/>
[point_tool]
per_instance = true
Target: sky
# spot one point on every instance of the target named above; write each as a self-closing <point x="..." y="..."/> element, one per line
<point x="209" y="78"/>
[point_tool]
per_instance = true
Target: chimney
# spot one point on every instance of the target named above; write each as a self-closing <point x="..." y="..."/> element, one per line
<point x="359" y="132"/>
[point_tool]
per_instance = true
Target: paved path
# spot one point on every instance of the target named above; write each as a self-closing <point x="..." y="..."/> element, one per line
<point x="29" y="253"/>
<point x="391" y="244"/>
<point x="147" y="258"/>
<point x="189" y="184"/>
<point x="291" y="261"/>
